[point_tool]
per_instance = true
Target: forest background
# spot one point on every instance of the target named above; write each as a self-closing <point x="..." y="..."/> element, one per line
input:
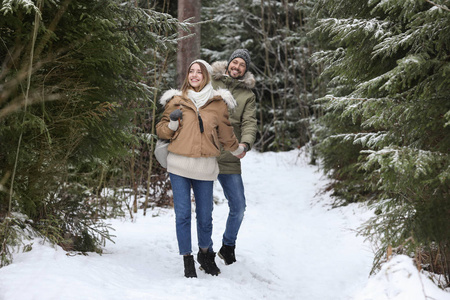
<point x="363" y="85"/>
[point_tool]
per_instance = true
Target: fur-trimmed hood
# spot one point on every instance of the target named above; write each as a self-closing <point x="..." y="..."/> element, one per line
<point x="219" y="69"/>
<point x="225" y="94"/>
<point x="169" y="95"/>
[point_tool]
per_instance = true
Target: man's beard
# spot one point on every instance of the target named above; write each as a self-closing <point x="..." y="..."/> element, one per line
<point x="235" y="77"/>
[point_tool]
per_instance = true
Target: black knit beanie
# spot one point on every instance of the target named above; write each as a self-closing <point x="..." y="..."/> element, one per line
<point x="241" y="53"/>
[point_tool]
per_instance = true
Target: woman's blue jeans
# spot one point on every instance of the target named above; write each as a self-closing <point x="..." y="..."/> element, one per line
<point x="233" y="188"/>
<point x="203" y="193"/>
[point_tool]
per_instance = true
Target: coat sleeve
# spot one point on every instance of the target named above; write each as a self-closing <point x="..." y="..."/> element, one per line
<point x="162" y="128"/>
<point x="225" y="130"/>
<point x="249" y="123"/>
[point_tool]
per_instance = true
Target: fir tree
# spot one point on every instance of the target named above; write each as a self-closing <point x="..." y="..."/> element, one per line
<point x="275" y="33"/>
<point x="70" y="71"/>
<point x="385" y="136"/>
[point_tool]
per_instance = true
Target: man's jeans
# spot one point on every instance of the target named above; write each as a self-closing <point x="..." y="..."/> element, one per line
<point x="233" y="188"/>
<point x="203" y="192"/>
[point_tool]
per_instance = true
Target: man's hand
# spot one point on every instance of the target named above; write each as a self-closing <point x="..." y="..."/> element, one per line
<point x="240" y="156"/>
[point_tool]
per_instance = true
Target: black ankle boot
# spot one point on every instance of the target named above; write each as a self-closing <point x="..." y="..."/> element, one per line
<point x="207" y="263"/>
<point x="227" y="254"/>
<point x="189" y="266"/>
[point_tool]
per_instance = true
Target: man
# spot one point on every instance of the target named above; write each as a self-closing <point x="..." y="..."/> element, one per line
<point x="234" y="76"/>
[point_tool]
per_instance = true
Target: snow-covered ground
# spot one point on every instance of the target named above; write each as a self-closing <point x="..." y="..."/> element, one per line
<point x="292" y="245"/>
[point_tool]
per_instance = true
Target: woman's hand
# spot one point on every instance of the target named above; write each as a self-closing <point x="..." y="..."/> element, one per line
<point x="175" y="117"/>
<point x="176" y="114"/>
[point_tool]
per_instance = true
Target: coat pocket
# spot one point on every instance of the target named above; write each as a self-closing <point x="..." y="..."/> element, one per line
<point x="215" y="140"/>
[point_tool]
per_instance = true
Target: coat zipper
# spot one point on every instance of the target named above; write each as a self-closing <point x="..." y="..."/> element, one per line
<point x="200" y="121"/>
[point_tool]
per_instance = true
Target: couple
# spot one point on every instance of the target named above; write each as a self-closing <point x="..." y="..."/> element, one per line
<point x="196" y="120"/>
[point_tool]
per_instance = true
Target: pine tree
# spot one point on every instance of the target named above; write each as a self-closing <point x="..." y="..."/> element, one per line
<point x="275" y="33"/>
<point x="385" y="136"/>
<point x="70" y="73"/>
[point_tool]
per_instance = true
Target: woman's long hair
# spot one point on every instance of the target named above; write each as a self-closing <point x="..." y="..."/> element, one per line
<point x="187" y="86"/>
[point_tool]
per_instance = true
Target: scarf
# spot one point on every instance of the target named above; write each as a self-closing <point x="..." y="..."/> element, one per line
<point x="200" y="98"/>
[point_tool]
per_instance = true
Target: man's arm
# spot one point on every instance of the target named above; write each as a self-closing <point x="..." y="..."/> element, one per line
<point x="249" y="123"/>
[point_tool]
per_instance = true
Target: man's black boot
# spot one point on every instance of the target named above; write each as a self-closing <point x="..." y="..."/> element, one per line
<point x="207" y="263"/>
<point x="189" y="266"/>
<point x="227" y="254"/>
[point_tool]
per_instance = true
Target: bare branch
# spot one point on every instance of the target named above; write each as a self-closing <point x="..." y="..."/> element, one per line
<point x="438" y="5"/>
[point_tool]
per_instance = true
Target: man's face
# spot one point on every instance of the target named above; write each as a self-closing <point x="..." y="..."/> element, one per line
<point x="237" y="68"/>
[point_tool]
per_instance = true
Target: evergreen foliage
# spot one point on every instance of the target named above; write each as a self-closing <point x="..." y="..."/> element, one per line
<point x="275" y="33"/>
<point x="385" y="135"/>
<point x="79" y="81"/>
<point x="66" y="130"/>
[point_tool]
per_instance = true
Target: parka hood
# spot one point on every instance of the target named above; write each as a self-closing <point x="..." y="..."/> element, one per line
<point x="219" y="69"/>
<point x="223" y="93"/>
<point x="169" y="94"/>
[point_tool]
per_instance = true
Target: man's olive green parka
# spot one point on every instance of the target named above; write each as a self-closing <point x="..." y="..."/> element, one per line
<point x="242" y="117"/>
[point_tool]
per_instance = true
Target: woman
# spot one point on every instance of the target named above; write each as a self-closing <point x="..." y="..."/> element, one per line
<point x="195" y="120"/>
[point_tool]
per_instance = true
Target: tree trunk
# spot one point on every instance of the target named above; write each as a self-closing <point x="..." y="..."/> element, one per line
<point x="286" y="75"/>
<point x="267" y="71"/>
<point x="188" y="47"/>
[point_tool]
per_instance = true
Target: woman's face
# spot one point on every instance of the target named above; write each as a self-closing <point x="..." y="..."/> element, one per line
<point x="195" y="76"/>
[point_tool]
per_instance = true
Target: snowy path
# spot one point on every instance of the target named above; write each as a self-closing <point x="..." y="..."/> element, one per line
<point x="291" y="246"/>
<point x="299" y="248"/>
